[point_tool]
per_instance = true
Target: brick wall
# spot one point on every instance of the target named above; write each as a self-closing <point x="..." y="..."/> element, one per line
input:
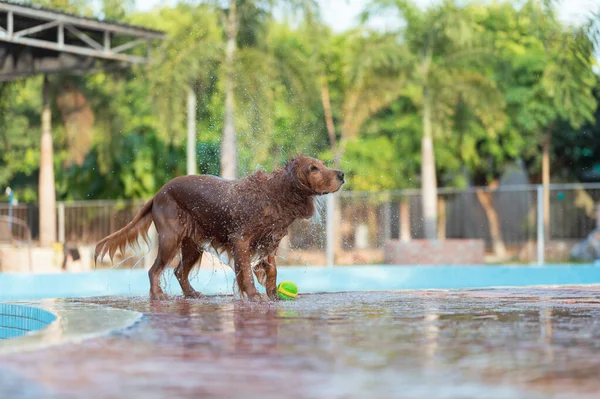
<point x="438" y="252"/>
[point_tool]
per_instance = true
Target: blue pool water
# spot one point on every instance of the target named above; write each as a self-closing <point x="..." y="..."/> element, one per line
<point x="309" y="280"/>
<point x="17" y="320"/>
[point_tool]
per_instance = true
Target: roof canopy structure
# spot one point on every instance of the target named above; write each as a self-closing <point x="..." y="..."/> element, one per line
<point x="36" y="40"/>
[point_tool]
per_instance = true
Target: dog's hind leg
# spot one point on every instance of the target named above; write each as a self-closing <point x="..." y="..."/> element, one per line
<point x="166" y="253"/>
<point x="190" y="255"/>
<point x="169" y="241"/>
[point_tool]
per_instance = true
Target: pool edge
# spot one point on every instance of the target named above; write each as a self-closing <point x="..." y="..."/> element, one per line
<point x="75" y="322"/>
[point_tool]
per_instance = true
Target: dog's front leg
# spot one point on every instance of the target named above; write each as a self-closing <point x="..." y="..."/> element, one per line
<point x="243" y="270"/>
<point x="271" y="283"/>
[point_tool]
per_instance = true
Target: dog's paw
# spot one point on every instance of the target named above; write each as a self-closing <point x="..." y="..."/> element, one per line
<point x="274" y="297"/>
<point x="160" y="296"/>
<point x="255" y="297"/>
<point x="193" y="295"/>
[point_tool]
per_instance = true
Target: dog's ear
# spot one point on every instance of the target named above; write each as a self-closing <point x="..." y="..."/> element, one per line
<point x="292" y="166"/>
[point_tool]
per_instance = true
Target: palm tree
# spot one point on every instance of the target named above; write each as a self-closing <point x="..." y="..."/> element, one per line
<point x="229" y="143"/>
<point x="566" y="82"/>
<point x="366" y="71"/>
<point x="274" y="83"/>
<point x="239" y="18"/>
<point x="444" y="42"/>
<point x="47" y="191"/>
<point x="361" y="69"/>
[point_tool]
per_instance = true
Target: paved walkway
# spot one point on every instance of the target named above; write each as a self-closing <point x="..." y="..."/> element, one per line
<point x="509" y="344"/>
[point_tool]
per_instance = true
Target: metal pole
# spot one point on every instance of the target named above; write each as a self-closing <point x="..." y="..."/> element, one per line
<point x="10" y="194"/>
<point x="61" y="222"/>
<point x="191" y="134"/>
<point x="387" y="220"/>
<point x="540" y="225"/>
<point x="330" y="230"/>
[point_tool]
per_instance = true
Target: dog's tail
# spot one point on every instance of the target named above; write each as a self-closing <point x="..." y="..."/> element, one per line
<point x="128" y="235"/>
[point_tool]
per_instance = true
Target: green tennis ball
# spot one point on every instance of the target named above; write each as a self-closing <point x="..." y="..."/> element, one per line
<point x="287" y="290"/>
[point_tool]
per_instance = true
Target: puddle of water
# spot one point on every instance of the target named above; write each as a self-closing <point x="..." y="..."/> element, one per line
<point x="534" y="344"/>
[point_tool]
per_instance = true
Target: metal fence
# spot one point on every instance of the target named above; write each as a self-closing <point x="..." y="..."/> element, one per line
<point x="21" y="213"/>
<point x="353" y="227"/>
<point x="87" y="222"/>
<point x="511" y="220"/>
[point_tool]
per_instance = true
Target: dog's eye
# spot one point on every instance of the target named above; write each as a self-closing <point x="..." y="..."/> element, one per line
<point x="313" y="168"/>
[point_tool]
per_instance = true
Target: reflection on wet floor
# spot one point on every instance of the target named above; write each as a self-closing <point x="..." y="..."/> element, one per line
<point x="519" y="343"/>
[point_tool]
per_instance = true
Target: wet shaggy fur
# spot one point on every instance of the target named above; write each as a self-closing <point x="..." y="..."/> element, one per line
<point x="246" y="218"/>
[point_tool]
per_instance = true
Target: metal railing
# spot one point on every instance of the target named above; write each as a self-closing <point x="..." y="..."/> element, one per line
<point x="511" y="220"/>
<point x="20" y="212"/>
<point x="87" y="222"/>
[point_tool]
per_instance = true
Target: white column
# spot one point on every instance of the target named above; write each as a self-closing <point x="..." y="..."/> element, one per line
<point x="191" y="134"/>
<point x="330" y="230"/>
<point x="47" y="192"/>
<point x="540" y="225"/>
<point x="61" y="222"/>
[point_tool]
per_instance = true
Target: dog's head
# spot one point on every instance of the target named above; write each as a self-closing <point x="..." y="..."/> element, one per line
<point x="313" y="177"/>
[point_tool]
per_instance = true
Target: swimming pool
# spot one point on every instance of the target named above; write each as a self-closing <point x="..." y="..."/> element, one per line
<point x="18" y="320"/>
<point x="309" y="279"/>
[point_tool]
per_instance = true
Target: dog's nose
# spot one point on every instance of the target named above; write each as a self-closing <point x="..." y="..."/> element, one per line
<point x="340" y="175"/>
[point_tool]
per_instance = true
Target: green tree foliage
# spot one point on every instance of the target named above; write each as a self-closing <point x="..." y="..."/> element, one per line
<point x="545" y="71"/>
<point x="486" y="82"/>
<point x="188" y="58"/>
<point x="360" y="74"/>
<point x="20" y="136"/>
<point x="576" y="152"/>
<point x="78" y="7"/>
<point x="387" y="155"/>
<point x="445" y="44"/>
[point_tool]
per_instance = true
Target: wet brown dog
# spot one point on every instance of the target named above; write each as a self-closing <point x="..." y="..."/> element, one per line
<point x="246" y="218"/>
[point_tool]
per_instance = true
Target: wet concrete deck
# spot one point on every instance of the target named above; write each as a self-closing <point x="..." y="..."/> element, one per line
<point x="509" y="343"/>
